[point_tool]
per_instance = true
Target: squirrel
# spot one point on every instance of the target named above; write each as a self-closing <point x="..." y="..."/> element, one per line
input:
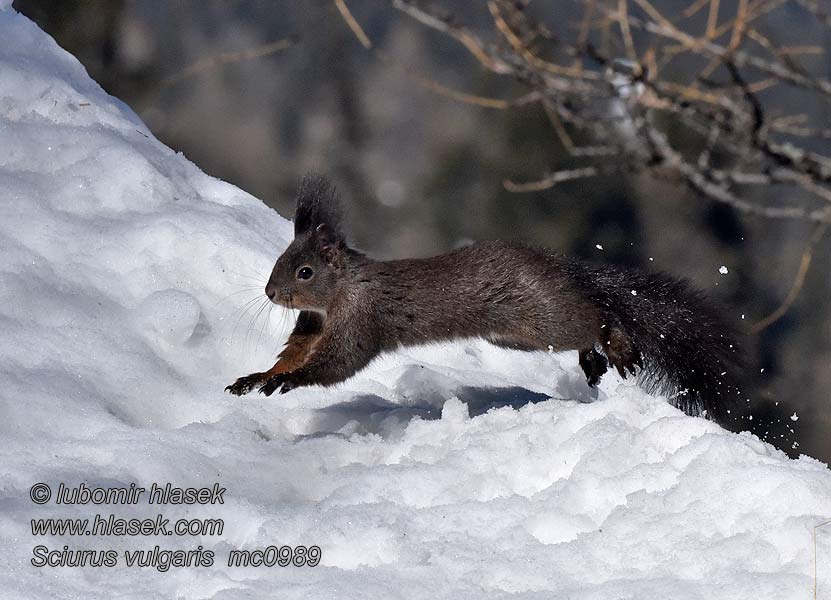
<point x="353" y="308"/>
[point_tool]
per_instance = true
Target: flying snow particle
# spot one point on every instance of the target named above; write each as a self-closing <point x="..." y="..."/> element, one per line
<point x="723" y="270"/>
<point x="794" y="417"/>
<point x="598" y="246"/>
<point x="634" y="293"/>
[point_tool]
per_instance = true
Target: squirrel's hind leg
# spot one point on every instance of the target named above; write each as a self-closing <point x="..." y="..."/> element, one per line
<point x="594" y="365"/>
<point x="621" y="351"/>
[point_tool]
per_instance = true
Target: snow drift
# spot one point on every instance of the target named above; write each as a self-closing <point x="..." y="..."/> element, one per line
<point x="457" y="470"/>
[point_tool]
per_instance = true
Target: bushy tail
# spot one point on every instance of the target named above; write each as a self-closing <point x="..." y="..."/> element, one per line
<point x="688" y="350"/>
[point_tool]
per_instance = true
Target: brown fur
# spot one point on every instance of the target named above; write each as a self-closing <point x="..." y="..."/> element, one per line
<point x="299" y="347"/>
<point x="353" y="308"/>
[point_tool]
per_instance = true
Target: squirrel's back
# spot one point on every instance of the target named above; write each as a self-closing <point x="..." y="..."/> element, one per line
<point x="530" y="298"/>
<point x="509" y="293"/>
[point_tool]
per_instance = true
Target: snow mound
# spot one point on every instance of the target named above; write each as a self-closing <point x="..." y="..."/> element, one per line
<point x="456" y="470"/>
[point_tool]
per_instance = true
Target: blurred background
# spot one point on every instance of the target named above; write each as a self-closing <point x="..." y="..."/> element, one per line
<point x="259" y="92"/>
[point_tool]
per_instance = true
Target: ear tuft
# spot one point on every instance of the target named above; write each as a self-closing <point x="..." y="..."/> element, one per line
<point x="317" y="205"/>
<point x="329" y="247"/>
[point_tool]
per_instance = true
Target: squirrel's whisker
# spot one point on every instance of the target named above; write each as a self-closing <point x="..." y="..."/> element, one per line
<point x="252" y="323"/>
<point x="265" y="326"/>
<point x="247" y="286"/>
<point x="243" y="310"/>
<point x="232" y="294"/>
<point x="281" y="329"/>
<point x="257" y="279"/>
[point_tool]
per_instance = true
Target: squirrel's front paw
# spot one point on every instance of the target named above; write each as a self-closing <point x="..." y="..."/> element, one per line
<point x="243" y="385"/>
<point x="273" y="383"/>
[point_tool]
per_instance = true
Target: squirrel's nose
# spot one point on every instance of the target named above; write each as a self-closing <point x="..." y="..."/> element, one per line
<point x="270" y="291"/>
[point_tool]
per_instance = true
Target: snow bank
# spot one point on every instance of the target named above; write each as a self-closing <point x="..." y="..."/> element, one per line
<point x="457" y="470"/>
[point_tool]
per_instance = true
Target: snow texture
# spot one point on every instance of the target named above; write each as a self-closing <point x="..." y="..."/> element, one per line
<point x="457" y="470"/>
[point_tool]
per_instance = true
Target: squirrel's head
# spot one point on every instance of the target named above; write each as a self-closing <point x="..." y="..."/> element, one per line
<point x="305" y="276"/>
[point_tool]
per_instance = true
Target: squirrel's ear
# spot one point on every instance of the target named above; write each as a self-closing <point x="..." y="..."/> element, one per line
<point x="329" y="247"/>
<point x="317" y="204"/>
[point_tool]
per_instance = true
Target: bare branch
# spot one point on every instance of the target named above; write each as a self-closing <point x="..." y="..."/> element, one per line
<point x="462" y="35"/>
<point x="427" y="82"/>
<point x="226" y="58"/>
<point x="799" y="282"/>
<point x="551" y="180"/>
<point x="353" y="24"/>
<point x="614" y="102"/>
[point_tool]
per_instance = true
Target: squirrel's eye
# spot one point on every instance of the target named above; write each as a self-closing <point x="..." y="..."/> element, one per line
<point x="305" y="273"/>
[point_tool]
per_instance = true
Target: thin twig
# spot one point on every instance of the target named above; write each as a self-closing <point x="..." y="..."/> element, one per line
<point x="227" y="58"/>
<point x="426" y="82"/>
<point x="693" y="8"/>
<point x="353" y="24"/>
<point x="550" y="180"/>
<point x="568" y="143"/>
<point x="464" y="97"/>
<point x="529" y="56"/>
<point x="799" y="281"/>
<point x="626" y="31"/>
<point x="712" y="19"/>
<point x="783" y="72"/>
<point x="468" y="40"/>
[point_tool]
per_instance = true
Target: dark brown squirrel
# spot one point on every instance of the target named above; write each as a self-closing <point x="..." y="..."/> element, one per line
<point x="353" y="308"/>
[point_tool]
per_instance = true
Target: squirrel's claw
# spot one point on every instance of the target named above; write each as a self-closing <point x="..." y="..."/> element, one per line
<point x="273" y="383"/>
<point x="284" y="382"/>
<point x="243" y="385"/>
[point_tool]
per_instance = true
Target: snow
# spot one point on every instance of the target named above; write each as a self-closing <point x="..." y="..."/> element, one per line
<point x="456" y="470"/>
<point x="723" y="270"/>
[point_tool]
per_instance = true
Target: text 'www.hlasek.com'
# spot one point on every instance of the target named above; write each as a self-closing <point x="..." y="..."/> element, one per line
<point x="106" y="525"/>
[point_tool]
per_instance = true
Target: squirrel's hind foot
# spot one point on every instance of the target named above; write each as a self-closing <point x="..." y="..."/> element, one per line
<point x="594" y="365"/>
<point x="622" y="353"/>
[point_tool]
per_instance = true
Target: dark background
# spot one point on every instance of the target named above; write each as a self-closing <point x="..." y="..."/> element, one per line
<point x="422" y="173"/>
